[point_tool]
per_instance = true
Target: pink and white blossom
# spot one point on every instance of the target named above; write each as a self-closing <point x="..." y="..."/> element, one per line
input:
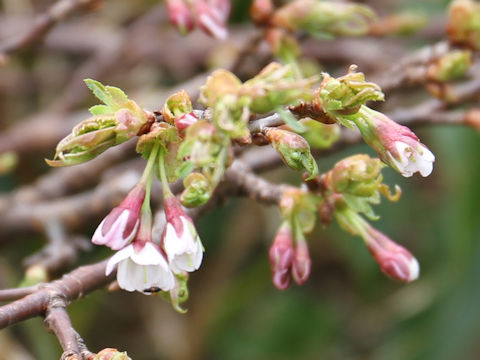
<point x="142" y="267"/>
<point x="180" y="239"/>
<point x="121" y="225"/>
<point x="396" y="145"/>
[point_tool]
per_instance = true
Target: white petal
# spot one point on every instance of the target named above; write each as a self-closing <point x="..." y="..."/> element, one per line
<point x="119" y="256"/>
<point x="426" y="154"/>
<point x="148" y="255"/>
<point x="159" y="277"/>
<point x="127" y="274"/>
<point x="172" y="243"/>
<point x="414" y="269"/>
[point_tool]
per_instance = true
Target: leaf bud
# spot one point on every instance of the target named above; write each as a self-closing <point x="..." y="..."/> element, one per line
<point x="197" y="190"/>
<point x="293" y="149"/>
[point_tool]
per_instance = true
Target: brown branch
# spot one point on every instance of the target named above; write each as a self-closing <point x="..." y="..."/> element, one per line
<point x="43" y="23"/>
<point x="17" y="293"/>
<point x="72" y="286"/>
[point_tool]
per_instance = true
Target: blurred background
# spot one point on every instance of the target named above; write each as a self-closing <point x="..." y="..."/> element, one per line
<point x="348" y="310"/>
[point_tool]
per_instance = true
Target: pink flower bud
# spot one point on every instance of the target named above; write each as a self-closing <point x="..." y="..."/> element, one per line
<point x="120" y="226"/>
<point x="394" y="260"/>
<point x="281" y="257"/>
<point x="180" y="16"/>
<point x="302" y="264"/>
<point x="212" y="16"/>
<point x="184" y="121"/>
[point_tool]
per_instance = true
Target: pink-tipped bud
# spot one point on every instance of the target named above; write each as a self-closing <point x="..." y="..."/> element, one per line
<point x="184" y="121"/>
<point x="394" y="260"/>
<point x="180" y="16"/>
<point x="281" y="257"/>
<point x="302" y="264"/>
<point x="212" y="16"/>
<point x="120" y="226"/>
<point x="396" y="144"/>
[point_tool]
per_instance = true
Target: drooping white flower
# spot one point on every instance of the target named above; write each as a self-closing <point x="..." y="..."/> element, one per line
<point x="180" y="239"/>
<point x="141" y="267"/>
<point x="121" y="225"/>
<point x="183" y="246"/>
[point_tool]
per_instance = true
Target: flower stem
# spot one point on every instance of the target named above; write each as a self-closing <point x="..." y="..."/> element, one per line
<point x="148" y="172"/>
<point x="163" y="175"/>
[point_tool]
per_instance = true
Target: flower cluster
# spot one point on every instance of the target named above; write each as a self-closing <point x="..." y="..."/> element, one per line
<point x="144" y="265"/>
<point x="210" y="16"/>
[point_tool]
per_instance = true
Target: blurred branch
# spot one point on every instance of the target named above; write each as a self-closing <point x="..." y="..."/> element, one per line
<point x="43" y="23"/>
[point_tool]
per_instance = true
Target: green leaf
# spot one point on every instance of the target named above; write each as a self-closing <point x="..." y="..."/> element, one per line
<point x="100" y="110"/>
<point x="99" y="91"/>
<point x="118" y="97"/>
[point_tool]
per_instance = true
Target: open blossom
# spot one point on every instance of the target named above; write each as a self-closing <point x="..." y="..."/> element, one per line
<point x="394" y="260"/>
<point x="142" y="267"/>
<point x="180" y="240"/>
<point x="120" y="226"/>
<point x="281" y="256"/>
<point x="396" y="144"/>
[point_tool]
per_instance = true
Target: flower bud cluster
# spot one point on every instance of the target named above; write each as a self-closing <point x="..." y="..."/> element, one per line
<point x="210" y="16"/>
<point x="287" y="260"/>
<point x="289" y="254"/>
<point x="232" y="102"/>
<point x="144" y="265"/>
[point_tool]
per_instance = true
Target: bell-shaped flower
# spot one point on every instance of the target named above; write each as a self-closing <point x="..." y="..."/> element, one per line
<point x="395" y="144"/>
<point x="281" y="256"/>
<point x="394" y="260"/>
<point x="120" y="226"/>
<point x="142" y="267"/>
<point x="180" y="239"/>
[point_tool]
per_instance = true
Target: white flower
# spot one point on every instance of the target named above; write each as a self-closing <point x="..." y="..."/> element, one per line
<point x="412" y="159"/>
<point x="183" y="246"/>
<point x="141" y="269"/>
